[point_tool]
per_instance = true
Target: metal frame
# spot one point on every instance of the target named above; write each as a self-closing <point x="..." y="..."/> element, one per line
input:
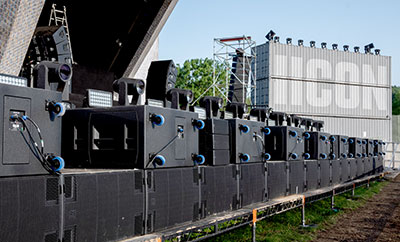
<point x="224" y="49"/>
<point x="250" y="215"/>
<point x="392" y="162"/>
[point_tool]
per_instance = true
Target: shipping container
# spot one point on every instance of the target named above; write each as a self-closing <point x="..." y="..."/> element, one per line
<point x="350" y="91"/>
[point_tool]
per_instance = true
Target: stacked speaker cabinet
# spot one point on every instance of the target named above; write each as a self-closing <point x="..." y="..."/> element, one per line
<point x="336" y="171"/>
<point x="296" y="177"/>
<point x="325" y="171"/>
<point x="368" y="163"/>
<point x="360" y="166"/>
<point x="364" y="148"/>
<point x="219" y="189"/>
<point x="246" y="141"/>
<point x="30" y="209"/>
<point x="17" y="101"/>
<point x="370" y="148"/>
<point x="252" y="187"/>
<point x="339" y="147"/>
<point x="379" y="156"/>
<point x="214" y="142"/>
<point x="172" y="197"/>
<point x="277" y="180"/>
<point x="312" y="174"/>
<point x="214" y="137"/>
<point x="285" y="143"/>
<point x="317" y="145"/>
<point x="345" y="170"/>
<point x="353" y="168"/>
<point x="130" y="137"/>
<point x="355" y="147"/>
<point x="103" y="205"/>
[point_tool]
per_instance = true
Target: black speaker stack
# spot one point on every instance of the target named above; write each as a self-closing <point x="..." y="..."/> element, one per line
<point x="135" y="169"/>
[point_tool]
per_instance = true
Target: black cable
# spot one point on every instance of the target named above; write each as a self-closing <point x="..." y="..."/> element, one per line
<point x="38" y="153"/>
<point x="162" y="149"/>
<point x="39" y="133"/>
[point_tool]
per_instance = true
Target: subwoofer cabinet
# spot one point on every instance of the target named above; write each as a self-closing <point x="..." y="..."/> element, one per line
<point x="252" y="183"/>
<point x="173" y="197"/>
<point x="219" y="188"/>
<point x="130" y="137"/>
<point x="30" y="209"/>
<point x="277" y="179"/>
<point x="103" y="205"/>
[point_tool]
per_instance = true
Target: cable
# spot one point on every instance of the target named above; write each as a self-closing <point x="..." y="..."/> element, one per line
<point x="162" y="149"/>
<point x="261" y="138"/>
<point x="34" y="147"/>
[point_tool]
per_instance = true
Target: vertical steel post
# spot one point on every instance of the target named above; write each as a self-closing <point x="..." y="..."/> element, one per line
<point x="254" y="224"/>
<point x="303" y="212"/>
<point x="333" y="200"/>
<point x="354" y="188"/>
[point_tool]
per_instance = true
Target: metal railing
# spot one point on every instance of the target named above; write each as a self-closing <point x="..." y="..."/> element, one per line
<point x="392" y="157"/>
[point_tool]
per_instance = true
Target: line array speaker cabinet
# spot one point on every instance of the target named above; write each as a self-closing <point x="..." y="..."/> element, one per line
<point x="103" y="205"/>
<point x="130" y="137"/>
<point x="317" y="145"/>
<point x="277" y="180"/>
<point x="49" y="43"/>
<point x="214" y="142"/>
<point x="246" y="141"/>
<point x="355" y="147"/>
<point x="29" y="208"/>
<point x="252" y="183"/>
<point x="161" y="78"/>
<point x="15" y="155"/>
<point x="296" y="177"/>
<point x="285" y="143"/>
<point x="219" y="188"/>
<point x="312" y="174"/>
<point x="173" y="197"/>
<point x="325" y="166"/>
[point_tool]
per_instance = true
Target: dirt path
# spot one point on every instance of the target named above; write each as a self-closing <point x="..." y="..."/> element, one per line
<point x="377" y="220"/>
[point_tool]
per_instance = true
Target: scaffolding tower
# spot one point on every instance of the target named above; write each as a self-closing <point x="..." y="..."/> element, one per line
<point x="237" y="55"/>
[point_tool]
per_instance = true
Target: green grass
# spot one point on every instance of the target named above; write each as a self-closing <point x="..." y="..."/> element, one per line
<point x="286" y="226"/>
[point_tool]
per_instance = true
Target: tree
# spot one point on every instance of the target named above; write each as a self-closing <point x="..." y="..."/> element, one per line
<point x="197" y="76"/>
<point x="395" y="100"/>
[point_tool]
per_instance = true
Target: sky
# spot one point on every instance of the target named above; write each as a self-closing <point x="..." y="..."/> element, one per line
<point x="190" y="30"/>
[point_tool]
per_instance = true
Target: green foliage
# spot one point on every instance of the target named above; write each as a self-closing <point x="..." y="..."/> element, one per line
<point x="197" y="75"/>
<point x="395" y="100"/>
<point x="286" y="226"/>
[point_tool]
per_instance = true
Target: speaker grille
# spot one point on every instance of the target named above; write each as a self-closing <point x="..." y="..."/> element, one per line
<point x="51" y="237"/>
<point x="69" y="235"/>
<point x="52" y="189"/>
<point x="70" y="188"/>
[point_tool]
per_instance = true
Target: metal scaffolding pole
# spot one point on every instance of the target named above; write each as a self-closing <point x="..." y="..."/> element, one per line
<point x="225" y="50"/>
